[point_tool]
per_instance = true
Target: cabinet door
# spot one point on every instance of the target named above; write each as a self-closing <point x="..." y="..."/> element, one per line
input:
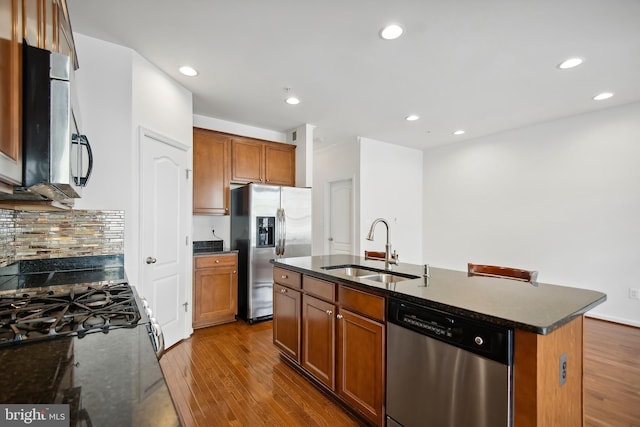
<point x="33" y="23"/>
<point x="246" y="161"/>
<point x="210" y="173"/>
<point x="215" y="296"/>
<point x="280" y="164"/>
<point x="318" y="338"/>
<point x="286" y="320"/>
<point x="361" y="364"/>
<point x="11" y="91"/>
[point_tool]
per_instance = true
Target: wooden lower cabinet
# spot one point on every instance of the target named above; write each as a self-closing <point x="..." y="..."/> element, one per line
<point x="215" y="289"/>
<point x="286" y="320"/>
<point x="335" y="335"/>
<point x="318" y="331"/>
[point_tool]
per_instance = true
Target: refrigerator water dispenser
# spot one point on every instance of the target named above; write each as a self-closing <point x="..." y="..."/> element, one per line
<point x="265" y="231"/>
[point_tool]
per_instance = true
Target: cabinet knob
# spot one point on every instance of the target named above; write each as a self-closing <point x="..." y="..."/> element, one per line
<point x="329" y="312"/>
<point x="217" y="261"/>
<point x="234" y="271"/>
<point x="283" y="290"/>
<point x="284" y="276"/>
<point x="339" y="316"/>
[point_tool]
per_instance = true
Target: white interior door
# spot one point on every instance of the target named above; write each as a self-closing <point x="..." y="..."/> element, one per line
<point x="164" y="188"/>
<point x="340" y="227"/>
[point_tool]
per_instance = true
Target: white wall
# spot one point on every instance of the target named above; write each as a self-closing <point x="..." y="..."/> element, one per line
<point x="119" y="91"/>
<point x="238" y="128"/>
<point x="391" y="188"/>
<point x="560" y="197"/>
<point x="332" y="163"/>
<point x="304" y="154"/>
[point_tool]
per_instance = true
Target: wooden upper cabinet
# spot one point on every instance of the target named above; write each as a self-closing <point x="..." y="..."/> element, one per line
<point x="280" y="164"/>
<point x="246" y="161"/>
<point x="210" y="172"/>
<point x="262" y="161"/>
<point x="10" y="91"/>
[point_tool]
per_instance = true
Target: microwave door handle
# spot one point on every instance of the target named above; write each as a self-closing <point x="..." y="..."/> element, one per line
<point x="83" y="179"/>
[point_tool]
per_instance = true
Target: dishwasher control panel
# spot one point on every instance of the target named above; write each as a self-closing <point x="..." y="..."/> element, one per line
<point x="485" y="339"/>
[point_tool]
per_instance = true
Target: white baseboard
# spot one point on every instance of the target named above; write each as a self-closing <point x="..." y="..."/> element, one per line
<point x="614" y="319"/>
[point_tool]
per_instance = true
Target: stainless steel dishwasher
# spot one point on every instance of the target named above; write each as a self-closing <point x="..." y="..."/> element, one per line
<point x="445" y="370"/>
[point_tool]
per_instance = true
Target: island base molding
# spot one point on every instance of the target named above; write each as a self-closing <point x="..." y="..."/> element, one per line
<point x="548" y="377"/>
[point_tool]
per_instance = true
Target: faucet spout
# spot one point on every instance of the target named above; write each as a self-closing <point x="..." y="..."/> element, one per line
<point x="389" y="258"/>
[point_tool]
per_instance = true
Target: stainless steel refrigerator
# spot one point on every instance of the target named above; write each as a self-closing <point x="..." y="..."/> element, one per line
<point x="267" y="222"/>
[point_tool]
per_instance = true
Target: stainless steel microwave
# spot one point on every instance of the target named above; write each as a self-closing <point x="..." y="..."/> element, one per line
<point x="57" y="157"/>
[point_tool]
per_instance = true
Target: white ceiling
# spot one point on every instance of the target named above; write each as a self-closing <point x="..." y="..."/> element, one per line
<point x="483" y="66"/>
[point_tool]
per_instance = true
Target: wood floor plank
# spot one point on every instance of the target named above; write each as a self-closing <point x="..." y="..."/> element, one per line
<point x="232" y="375"/>
<point x="611" y="374"/>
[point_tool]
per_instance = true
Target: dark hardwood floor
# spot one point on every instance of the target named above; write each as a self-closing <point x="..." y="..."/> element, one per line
<point x="231" y="375"/>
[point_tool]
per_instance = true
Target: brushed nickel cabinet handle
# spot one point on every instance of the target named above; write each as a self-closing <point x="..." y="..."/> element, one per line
<point x="284" y="276"/>
<point x="339" y="316"/>
<point x="329" y="312"/>
<point x="283" y="290"/>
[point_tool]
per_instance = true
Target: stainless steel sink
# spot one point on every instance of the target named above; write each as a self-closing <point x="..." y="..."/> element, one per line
<point x="361" y="272"/>
<point x="351" y="270"/>
<point x="387" y="278"/>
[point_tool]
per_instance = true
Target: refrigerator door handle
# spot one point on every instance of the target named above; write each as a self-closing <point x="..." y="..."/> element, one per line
<point x="283" y="232"/>
<point x="279" y="250"/>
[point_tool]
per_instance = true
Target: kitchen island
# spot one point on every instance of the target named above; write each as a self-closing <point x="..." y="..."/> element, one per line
<point x="546" y="320"/>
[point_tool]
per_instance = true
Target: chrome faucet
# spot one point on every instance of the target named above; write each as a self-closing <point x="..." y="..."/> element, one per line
<point x="389" y="258"/>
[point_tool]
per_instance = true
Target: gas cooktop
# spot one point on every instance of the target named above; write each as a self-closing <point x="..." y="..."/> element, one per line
<point x="49" y="298"/>
<point x="67" y="311"/>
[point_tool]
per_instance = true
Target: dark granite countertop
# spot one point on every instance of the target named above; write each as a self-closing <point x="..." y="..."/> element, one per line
<point x="111" y="379"/>
<point x="108" y="379"/>
<point x="210" y="247"/>
<point x="214" y="252"/>
<point x="539" y="308"/>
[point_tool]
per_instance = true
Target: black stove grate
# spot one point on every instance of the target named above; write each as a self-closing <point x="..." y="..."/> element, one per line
<point x="74" y="311"/>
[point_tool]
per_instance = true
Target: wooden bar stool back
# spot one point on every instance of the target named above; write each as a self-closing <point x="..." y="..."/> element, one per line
<point x="505" y="272"/>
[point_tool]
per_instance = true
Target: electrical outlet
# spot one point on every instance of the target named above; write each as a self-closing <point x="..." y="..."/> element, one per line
<point x="634" y="293"/>
<point x="563" y="369"/>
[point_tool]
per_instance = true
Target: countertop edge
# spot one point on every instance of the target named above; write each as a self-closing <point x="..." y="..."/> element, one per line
<point x="538" y="329"/>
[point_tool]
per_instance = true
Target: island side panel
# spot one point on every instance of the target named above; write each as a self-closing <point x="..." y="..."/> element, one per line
<point x="539" y="399"/>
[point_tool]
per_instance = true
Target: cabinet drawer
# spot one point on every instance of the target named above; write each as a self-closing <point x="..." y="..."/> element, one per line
<point x="362" y="302"/>
<point x="208" y="261"/>
<point x="287" y="277"/>
<point x="320" y="288"/>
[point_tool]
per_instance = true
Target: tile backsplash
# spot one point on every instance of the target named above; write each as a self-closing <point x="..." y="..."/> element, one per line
<point x="35" y="235"/>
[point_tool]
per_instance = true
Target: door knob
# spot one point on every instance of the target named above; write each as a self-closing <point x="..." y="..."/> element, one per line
<point x="151" y="260"/>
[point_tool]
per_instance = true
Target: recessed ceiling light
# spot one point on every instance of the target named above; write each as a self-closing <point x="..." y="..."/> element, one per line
<point x="412" y="118"/>
<point x="602" y="96"/>
<point x="188" y="71"/>
<point x="570" y="63"/>
<point x="292" y="100"/>
<point x="459" y="132"/>
<point x="391" y="32"/>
